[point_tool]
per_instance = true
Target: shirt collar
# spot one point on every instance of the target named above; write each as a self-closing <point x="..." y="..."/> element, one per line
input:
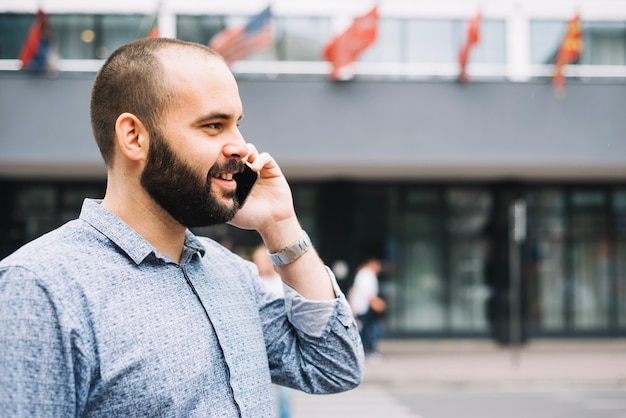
<point x="125" y="237"/>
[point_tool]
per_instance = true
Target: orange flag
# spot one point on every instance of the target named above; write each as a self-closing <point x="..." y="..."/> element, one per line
<point x="569" y="51"/>
<point x="473" y="36"/>
<point x="151" y="29"/>
<point x="344" y="49"/>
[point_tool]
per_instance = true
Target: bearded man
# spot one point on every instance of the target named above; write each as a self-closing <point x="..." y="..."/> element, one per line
<point x="125" y="312"/>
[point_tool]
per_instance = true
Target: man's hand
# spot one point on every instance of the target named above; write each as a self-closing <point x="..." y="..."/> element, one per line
<point x="270" y="200"/>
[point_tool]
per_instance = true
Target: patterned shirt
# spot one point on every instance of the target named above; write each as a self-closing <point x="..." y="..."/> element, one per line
<point x="95" y="322"/>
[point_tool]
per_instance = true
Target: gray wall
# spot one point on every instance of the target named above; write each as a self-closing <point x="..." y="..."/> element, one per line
<point x="359" y="129"/>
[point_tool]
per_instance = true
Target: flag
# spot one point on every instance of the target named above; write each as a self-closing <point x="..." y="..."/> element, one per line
<point x="473" y="36"/>
<point x="152" y="29"/>
<point x="344" y="49"/>
<point x="36" y="51"/>
<point x="235" y="44"/>
<point x="569" y="51"/>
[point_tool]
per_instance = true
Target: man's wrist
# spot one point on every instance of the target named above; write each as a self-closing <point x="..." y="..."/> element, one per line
<point x="292" y="252"/>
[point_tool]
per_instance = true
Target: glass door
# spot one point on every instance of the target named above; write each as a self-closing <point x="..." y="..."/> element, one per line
<point x="589" y="260"/>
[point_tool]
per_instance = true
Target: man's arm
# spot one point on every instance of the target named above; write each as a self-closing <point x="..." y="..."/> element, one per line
<point x="270" y="211"/>
<point x="313" y="346"/>
<point x="36" y="372"/>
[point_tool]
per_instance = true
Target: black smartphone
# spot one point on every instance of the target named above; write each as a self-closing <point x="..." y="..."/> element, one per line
<point x="245" y="180"/>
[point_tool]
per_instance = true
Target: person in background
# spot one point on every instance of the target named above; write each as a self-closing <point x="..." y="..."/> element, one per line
<point x="272" y="281"/>
<point x="125" y="312"/>
<point x="367" y="305"/>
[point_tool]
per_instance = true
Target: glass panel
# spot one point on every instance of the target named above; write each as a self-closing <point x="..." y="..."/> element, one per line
<point x="492" y="46"/>
<point x="544" y="273"/>
<point x="435" y="41"/>
<point x="390" y="43"/>
<point x="420" y="305"/>
<point x="80" y="36"/>
<point x="116" y="30"/>
<point x="469" y="211"/>
<point x="67" y="32"/>
<point x="619" y="208"/>
<point x="305" y="200"/>
<point x="199" y="29"/>
<point x="604" y="42"/>
<point x="422" y="198"/>
<point x="72" y="200"/>
<point x="13" y="31"/>
<point x="545" y="38"/>
<point x="34" y="209"/>
<point x="590" y="259"/>
<point x="302" y="38"/>
<point x="439" y="41"/>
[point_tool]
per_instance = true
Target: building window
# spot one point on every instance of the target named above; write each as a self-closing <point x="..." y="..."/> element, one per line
<point x="468" y="212"/>
<point x="94" y="36"/>
<point x="435" y="41"/>
<point x="545" y="254"/>
<point x="302" y="38"/>
<point x="77" y="36"/>
<point x="199" y="29"/>
<point x="13" y="30"/>
<point x="604" y="43"/>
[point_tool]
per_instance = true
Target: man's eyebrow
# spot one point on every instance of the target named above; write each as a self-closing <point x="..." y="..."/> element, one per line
<point x="218" y="115"/>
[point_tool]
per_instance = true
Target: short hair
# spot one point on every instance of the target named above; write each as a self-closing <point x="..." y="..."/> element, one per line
<point x="133" y="80"/>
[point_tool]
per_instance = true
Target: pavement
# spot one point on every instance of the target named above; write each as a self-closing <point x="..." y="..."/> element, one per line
<point x="449" y="368"/>
<point x="485" y="365"/>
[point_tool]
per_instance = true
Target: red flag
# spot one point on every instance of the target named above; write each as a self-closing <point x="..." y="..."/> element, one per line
<point x="344" y="49"/>
<point x="235" y="44"/>
<point x="34" y="53"/>
<point x="569" y="51"/>
<point x="473" y="36"/>
<point x="153" y="28"/>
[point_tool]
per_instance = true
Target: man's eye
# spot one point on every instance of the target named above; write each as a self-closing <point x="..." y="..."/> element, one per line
<point x="216" y="125"/>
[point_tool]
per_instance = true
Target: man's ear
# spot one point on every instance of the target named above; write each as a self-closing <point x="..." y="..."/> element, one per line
<point x="131" y="137"/>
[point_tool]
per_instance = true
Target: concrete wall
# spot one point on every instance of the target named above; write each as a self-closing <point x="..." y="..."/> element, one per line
<point x="358" y="129"/>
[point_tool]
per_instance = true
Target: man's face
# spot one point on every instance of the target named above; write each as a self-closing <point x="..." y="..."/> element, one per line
<point x="186" y="195"/>
<point x="197" y="146"/>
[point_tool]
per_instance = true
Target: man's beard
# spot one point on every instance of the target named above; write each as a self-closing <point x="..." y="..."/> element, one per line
<point x="186" y="196"/>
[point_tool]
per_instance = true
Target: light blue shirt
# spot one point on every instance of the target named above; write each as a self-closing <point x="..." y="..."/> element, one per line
<point x="94" y="322"/>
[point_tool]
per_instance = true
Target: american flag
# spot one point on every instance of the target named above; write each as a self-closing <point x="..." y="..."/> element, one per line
<point x="235" y="44"/>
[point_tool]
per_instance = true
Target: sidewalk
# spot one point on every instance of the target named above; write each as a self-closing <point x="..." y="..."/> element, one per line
<point x="478" y="364"/>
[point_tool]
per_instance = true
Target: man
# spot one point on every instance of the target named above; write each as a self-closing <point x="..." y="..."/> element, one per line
<point x="124" y="312"/>
<point x="367" y="305"/>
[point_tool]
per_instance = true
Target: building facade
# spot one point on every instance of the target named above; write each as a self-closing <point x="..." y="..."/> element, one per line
<point x="401" y="161"/>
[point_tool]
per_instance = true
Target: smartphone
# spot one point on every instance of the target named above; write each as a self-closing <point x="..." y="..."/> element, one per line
<point x="245" y="180"/>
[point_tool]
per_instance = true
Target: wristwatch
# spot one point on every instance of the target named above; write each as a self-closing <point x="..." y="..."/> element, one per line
<point x="291" y="253"/>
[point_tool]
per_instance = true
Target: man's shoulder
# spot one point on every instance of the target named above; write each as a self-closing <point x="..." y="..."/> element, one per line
<point x="68" y="241"/>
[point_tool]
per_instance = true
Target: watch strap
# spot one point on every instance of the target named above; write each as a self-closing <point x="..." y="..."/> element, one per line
<point x="292" y="252"/>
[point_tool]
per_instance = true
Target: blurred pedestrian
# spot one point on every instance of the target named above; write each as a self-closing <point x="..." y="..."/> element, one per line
<point x="367" y="304"/>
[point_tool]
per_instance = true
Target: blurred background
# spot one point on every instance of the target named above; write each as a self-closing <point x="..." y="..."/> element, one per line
<point x="477" y="147"/>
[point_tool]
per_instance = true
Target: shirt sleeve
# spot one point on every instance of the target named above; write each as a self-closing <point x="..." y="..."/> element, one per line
<point x="309" y="316"/>
<point x="36" y="359"/>
<point x="313" y="346"/>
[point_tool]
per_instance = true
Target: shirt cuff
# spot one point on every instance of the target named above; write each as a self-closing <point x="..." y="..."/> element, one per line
<point x="312" y="316"/>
